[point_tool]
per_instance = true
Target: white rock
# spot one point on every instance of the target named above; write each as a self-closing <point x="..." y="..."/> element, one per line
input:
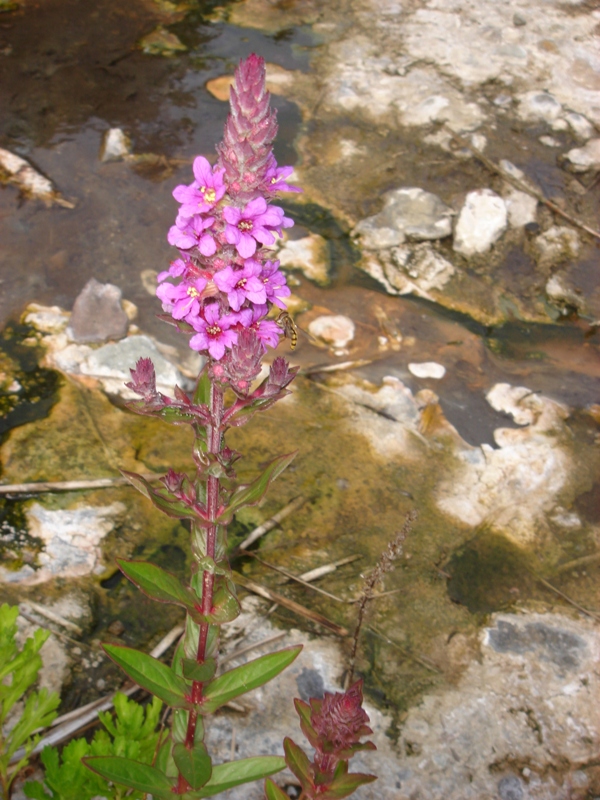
<point x="23" y="175"/>
<point x="513" y="487"/>
<point x="111" y="363"/>
<point x="580" y="125"/>
<point x="587" y="157"/>
<point x="549" y="141"/>
<point x="408" y="213"/>
<point x="563" y="296"/>
<point x="521" y="207"/>
<point x="427" y="268"/>
<point x="539" y="106"/>
<point x="482" y="220"/>
<point x="427" y="369"/>
<point x="556" y="245"/>
<point x="464" y="741"/>
<point x="335" y="330"/>
<point x="71" y="539"/>
<point x="309" y="254"/>
<point x="47" y="319"/>
<point x="115" y="145"/>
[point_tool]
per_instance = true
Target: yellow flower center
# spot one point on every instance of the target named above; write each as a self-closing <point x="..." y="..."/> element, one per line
<point x="193" y="292"/>
<point x="209" y="194"/>
<point x="213" y="330"/>
<point x="245" y="225"/>
<point x="241" y="283"/>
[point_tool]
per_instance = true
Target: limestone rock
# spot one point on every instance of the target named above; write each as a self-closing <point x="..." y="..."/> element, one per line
<point x="427" y="369"/>
<point x="71" y="540"/>
<point x="111" y="364"/>
<point x="512" y="487"/>
<point x="466" y="743"/>
<point x="584" y="158"/>
<point x="580" y="125"/>
<point x="563" y="296"/>
<point x="521" y="208"/>
<point x="16" y="170"/>
<point x="556" y="245"/>
<point x="424" y="265"/>
<point x="408" y="213"/>
<point x="115" y="145"/>
<point x="97" y="313"/>
<point x="336" y="331"/>
<point x="482" y="220"/>
<point x="309" y="254"/>
<point x="539" y="107"/>
<point x="161" y="42"/>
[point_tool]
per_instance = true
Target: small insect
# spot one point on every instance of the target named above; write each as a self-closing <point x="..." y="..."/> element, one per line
<point x="288" y="326"/>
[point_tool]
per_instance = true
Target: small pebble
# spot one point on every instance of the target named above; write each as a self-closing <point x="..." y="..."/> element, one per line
<point x="518" y="21"/>
<point x="427" y="369"/>
<point x="116" y="628"/>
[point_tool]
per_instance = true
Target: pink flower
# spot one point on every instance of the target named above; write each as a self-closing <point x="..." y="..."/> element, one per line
<point x="184" y="300"/>
<point x="204" y="193"/>
<point x="252" y="224"/>
<point x="275" y="283"/>
<point x="214" y="332"/>
<point x="242" y="284"/>
<point x="188" y="233"/>
<point x="267" y="330"/>
<point x="275" y="178"/>
<point x="176" y="269"/>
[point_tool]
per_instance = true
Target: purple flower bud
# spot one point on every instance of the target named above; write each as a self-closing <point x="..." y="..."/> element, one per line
<point x="143" y="380"/>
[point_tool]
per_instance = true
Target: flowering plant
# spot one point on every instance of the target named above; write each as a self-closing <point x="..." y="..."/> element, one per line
<point x="220" y="290"/>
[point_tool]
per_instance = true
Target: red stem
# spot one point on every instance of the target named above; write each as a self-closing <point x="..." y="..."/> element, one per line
<point x="208" y="579"/>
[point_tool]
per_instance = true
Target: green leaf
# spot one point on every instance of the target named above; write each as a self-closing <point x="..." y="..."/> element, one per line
<point x="345" y="785"/>
<point x="273" y="792"/>
<point x="132" y="774"/>
<point x="243" y="679"/>
<point x="233" y="773"/>
<point x="203" y="387"/>
<point x="298" y="762"/>
<point x="198" y="672"/>
<point x="151" y="674"/>
<point x="158" y="584"/>
<point x="172" y="507"/>
<point x="225" y="603"/>
<point x="35" y="790"/>
<point x="195" y="764"/>
<point x="254" y="492"/>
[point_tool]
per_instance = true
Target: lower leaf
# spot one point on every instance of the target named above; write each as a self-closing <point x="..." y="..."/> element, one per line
<point x="233" y="773"/>
<point x="273" y="792"/>
<point x="132" y="774"/>
<point x="195" y="764"/>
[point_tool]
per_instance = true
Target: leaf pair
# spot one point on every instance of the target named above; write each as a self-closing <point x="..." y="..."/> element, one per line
<point x="164" y="587"/>
<point x="162" y="681"/>
<point x="220" y="778"/>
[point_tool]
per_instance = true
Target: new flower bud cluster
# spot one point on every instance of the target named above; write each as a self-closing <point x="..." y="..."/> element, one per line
<point x="226" y="279"/>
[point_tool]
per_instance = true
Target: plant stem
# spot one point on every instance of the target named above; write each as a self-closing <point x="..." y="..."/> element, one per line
<point x="214" y="441"/>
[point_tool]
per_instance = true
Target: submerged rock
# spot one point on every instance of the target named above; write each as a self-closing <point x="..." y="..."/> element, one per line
<point x="408" y="213"/>
<point x="481" y="222"/>
<point x="336" y="331"/>
<point x="556" y="245"/>
<point x="161" y="42"/>
<point x="310" y="255"/>
<point x="98" y="314"/>
<point x="71" y="542"/>
<point x="115" y="145"/>
<point x="539" y="106"/>
<point x="513" y="487"/>
<point x="427" y="369"/>
<point x="18" y="171"/>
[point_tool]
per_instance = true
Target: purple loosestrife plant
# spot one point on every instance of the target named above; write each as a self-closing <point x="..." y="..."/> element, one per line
<point x="334" y="727"/>
<point x="220" y="290"/>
